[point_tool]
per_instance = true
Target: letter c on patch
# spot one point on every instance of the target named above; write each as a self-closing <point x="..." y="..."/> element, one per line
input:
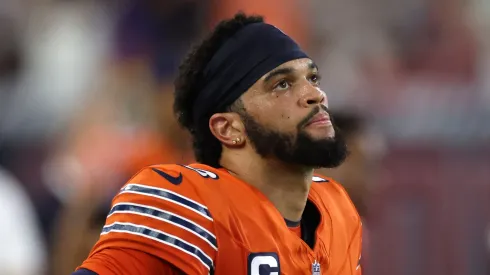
<point x="263" y="264"/>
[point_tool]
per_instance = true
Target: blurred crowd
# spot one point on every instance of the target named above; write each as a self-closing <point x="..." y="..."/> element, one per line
<point x="86" y="101"/>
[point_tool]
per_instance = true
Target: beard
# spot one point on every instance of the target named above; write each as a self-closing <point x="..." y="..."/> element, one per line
<point x="300" y="149"/>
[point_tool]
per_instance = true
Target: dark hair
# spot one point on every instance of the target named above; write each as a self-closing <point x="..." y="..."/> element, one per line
<point x="207" y="148"/>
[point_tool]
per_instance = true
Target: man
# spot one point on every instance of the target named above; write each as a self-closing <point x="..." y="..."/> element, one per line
<point x="251" y="100"/>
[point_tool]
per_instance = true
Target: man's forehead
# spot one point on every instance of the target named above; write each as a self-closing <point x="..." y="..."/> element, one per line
<point x="303" y="63"/>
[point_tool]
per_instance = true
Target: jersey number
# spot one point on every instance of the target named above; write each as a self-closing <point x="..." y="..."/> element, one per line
<point x="263" y="263"/>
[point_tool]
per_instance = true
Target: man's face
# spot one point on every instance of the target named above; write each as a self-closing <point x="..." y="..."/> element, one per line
<point x="286" y="117"/>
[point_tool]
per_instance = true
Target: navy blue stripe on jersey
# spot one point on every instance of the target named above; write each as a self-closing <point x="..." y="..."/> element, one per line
<point x="83" y="271"/>
<point x="166" y="216"/>
<point x="159" y="236"/>
<point x="167" y="195"/>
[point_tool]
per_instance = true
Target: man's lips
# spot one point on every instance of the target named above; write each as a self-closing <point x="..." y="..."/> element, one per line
<point x="320" y="119"/>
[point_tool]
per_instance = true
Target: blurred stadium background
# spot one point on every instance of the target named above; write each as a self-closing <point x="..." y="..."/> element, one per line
<point x="86" y="95"/>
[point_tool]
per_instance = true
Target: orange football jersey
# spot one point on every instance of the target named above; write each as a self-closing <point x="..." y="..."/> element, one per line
<point x="204" y="220"/>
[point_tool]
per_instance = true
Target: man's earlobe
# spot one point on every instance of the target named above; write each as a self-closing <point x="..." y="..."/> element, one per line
<point x="237" y="141"/>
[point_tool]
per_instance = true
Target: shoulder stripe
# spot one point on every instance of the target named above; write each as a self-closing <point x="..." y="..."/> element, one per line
<point x="161" y="237"/>
<point x="167" y="195"/>
<point x="166" y="216"/>
<point x="318" y="179"/>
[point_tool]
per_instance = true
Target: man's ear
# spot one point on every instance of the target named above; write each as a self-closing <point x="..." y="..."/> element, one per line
<point x="227" y="128"/>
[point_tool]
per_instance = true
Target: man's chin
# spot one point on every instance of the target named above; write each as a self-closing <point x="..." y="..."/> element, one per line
<point x="327" y="152"/>
<point x="320" y="133"/>
<point x="322" y="139"/>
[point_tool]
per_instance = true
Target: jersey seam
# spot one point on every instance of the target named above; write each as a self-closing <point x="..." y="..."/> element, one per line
<point x="329" y="251"/>
<point x="359" y="226"/>
<point x="202" y="180"/>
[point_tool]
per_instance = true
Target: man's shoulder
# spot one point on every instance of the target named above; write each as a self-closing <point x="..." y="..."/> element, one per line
<point x="163" y="211"/>
<point x="196" y="182"/>
<point x="333" y="195"/>
<point x="176" y="175"/>
<point x="321" y="183"/>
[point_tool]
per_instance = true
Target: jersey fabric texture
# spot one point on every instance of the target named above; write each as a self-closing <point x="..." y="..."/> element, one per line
<point x="203" y="220"/>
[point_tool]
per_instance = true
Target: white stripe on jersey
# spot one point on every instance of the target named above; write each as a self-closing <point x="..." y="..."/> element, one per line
<point x="168" y="195"/>
<point x="161" y="237"/>
<point x="193" y="228"/>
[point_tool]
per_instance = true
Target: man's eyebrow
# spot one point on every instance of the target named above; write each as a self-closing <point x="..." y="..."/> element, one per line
<point x="281" y="71"/>
<point x="312" y="65"/>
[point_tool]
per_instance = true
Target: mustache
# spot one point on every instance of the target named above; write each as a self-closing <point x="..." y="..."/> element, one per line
<point x="313" y="113"/>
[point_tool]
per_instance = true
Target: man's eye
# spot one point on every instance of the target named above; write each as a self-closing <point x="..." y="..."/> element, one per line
<point x="282" y="85"/>
<point x="315" y="79"/>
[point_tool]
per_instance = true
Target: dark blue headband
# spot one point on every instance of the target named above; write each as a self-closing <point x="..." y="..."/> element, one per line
<point x="239" y="63"/>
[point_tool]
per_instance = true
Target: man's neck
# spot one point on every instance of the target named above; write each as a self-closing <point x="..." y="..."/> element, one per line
<point x="286" y="186"/>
